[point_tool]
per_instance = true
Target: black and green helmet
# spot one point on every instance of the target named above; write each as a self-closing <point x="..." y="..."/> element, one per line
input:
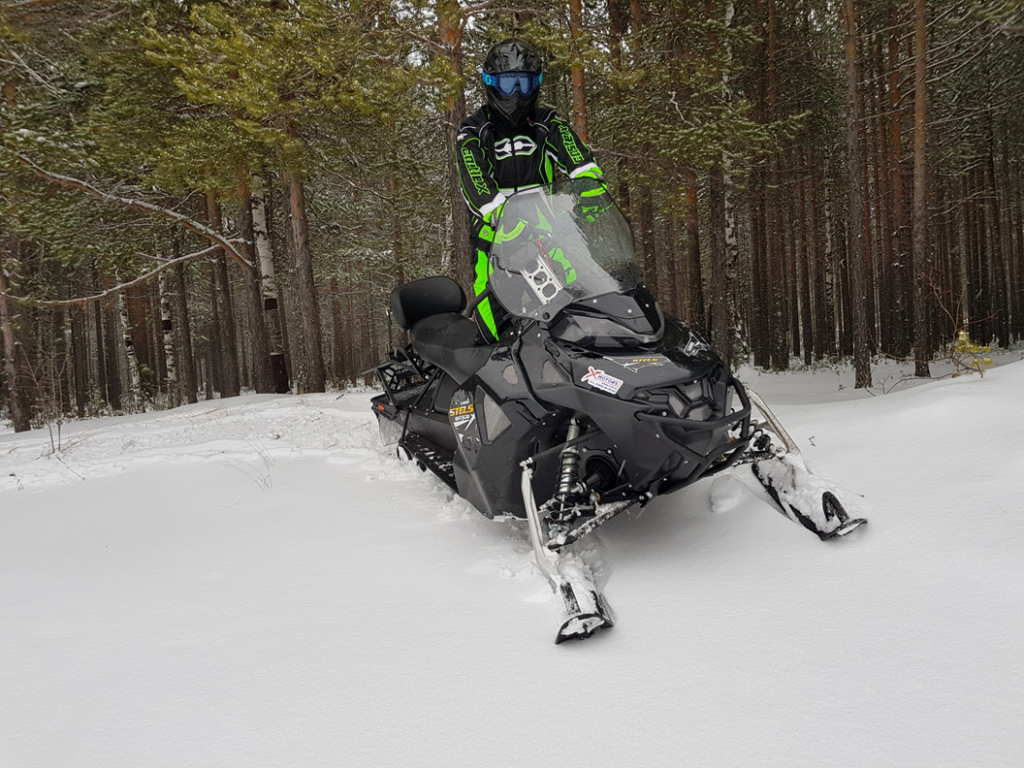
<point x="512" y="76"/>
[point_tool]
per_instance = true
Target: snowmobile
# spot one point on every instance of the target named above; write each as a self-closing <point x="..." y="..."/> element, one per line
<point x="592" y="401"/>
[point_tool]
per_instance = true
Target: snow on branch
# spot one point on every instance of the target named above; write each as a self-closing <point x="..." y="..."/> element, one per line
<point x="116" y="289"/>
<point x="139" y="205"/>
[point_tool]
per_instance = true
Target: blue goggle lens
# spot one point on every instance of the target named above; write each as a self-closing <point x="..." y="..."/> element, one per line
<point x="507" y="82"/>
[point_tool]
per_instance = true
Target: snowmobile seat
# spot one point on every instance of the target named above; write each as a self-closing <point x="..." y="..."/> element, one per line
<point x="452" y="343"/>
<point x="429" y="309"/>
<point x="414" y="301"/>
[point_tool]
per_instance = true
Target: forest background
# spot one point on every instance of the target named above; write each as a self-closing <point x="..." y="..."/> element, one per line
<point x="201" y="198"/>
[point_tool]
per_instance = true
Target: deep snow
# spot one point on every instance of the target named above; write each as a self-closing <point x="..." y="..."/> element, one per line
<point x="257" y="582"/>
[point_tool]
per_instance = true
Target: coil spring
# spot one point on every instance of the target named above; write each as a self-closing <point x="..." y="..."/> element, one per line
<point x="569" y="460"/>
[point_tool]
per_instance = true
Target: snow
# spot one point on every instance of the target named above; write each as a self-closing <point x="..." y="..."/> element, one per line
<point x="257" y="582"/>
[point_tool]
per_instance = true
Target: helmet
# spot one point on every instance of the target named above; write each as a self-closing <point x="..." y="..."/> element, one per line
<point x="512" y="76"/>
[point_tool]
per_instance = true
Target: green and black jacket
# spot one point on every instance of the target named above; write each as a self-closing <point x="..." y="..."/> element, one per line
<point x="496" y="160"/>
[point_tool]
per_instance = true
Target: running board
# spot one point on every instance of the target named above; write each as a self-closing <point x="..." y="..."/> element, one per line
<point x="430" y="456"/>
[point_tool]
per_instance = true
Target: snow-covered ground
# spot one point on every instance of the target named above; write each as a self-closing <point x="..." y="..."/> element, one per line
<point x="257" y="582"/>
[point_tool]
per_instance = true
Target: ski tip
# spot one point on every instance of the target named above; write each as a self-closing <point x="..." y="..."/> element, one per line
<point x="847" y="527"/>
<point x="582" y="626"/>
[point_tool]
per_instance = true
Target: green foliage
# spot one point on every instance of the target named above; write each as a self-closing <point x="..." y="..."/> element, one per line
<point x="966" y="356"/>
<point x="275" y="72"/>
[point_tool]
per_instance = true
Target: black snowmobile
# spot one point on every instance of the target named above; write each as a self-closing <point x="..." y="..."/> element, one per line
<point x="591" y="401"/>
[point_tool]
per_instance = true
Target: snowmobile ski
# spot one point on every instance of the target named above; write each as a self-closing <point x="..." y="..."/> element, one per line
<point x="580" y="625"/>
<point x="586" y="609"/>
<point x="796" y="491"/>
<point x="778" y="477"/>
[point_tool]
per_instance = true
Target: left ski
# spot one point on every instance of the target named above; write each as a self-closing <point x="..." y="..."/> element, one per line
<point x="833" y="520"/>
<point x="796" y="491"/>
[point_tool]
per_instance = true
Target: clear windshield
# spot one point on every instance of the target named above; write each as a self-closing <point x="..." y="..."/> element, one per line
<point x="559" y="245"/>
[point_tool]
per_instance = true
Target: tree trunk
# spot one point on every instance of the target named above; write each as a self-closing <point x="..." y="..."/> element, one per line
<point x="189" y="381"/>
<point x="778" y="321"/>
<point x="902" y="283"/>
<point x="156" y="334"/>
<point x="268" y="288"/>
<point x="225" y="309"/>
<point x="579" y="95"/>
<point x="101" y="357"/>
<point x="730" y="242"/>
<point x="791" y="290"/>
<point x="351" y="367"/>
<point x="758" y="275"/>
<point x="309" y="304"/>
<point x="721" y="333"/>
<point x="112" y="359"/>
<point x="167" y="330"/>
<point x="214" y="355"/>
<point x="19" y="413"/>
<point x="460" y="259"/>
<point x="257" y="330"/>
<point x="869" y="256"/>
<point x="805" y="262"/>
<point x="855" y="228"/>
<point x="134" y="379"/>
<point x="338" y="332"/>
<point x="921" y="268"/>
<point x="617" y="26"/>
<point x="19" y="410"/>
<point x="645" y="218"/>
<point x="694" y="286"/>
<point x="80" y="363"/>
<point x="831" y="293"/>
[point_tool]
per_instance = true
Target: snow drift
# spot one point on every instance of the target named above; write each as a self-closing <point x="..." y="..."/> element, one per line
<point x="256" y="581"/>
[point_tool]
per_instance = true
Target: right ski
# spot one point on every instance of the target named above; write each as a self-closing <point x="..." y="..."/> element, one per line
<point x="582" y="623"/>
<point x="585" y="607"/>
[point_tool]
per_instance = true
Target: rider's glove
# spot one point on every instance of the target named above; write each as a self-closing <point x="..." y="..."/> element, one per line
<point x="594" y="202"/>
<point x="495" y="215"/>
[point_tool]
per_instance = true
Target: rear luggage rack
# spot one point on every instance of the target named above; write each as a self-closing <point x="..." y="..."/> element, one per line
<point x="404" y="376"/>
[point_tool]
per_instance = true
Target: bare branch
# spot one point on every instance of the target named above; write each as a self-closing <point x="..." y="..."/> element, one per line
<point x="469" y="10"/>
<point x="18" y="5"/>
<point x="35" y="75"/>
<point x="432" y="44"/>
<point x="113" y="290"/>
<point x="140" y="205"/>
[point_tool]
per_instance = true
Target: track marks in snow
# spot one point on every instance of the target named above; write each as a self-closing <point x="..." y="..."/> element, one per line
<point x="248" y="434"/>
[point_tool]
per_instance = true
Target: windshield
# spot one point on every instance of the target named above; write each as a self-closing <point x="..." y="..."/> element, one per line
<point x="559" y="245"/>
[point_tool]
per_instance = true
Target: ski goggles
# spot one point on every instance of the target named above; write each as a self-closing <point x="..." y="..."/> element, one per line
<point x="507" y="82"/>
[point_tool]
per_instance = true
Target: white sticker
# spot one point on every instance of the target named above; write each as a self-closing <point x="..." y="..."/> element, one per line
<point x="601" y="380"/>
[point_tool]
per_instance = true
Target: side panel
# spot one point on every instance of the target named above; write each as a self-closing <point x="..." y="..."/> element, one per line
<point x="497" y="425"/>
<point x="430" y="417"/>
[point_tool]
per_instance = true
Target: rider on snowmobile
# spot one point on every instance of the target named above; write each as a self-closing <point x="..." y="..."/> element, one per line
<point x="510" y="144"/>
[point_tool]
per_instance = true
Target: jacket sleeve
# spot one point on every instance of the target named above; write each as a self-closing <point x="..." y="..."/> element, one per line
<point x="476" y="173"/>
<point x="572" y="155"/>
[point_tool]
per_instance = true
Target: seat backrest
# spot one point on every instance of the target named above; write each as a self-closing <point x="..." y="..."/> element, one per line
<point x="413" y="301"/>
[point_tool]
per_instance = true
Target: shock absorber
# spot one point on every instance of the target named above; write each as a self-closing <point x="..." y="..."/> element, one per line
<point x="569" y="460"/>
